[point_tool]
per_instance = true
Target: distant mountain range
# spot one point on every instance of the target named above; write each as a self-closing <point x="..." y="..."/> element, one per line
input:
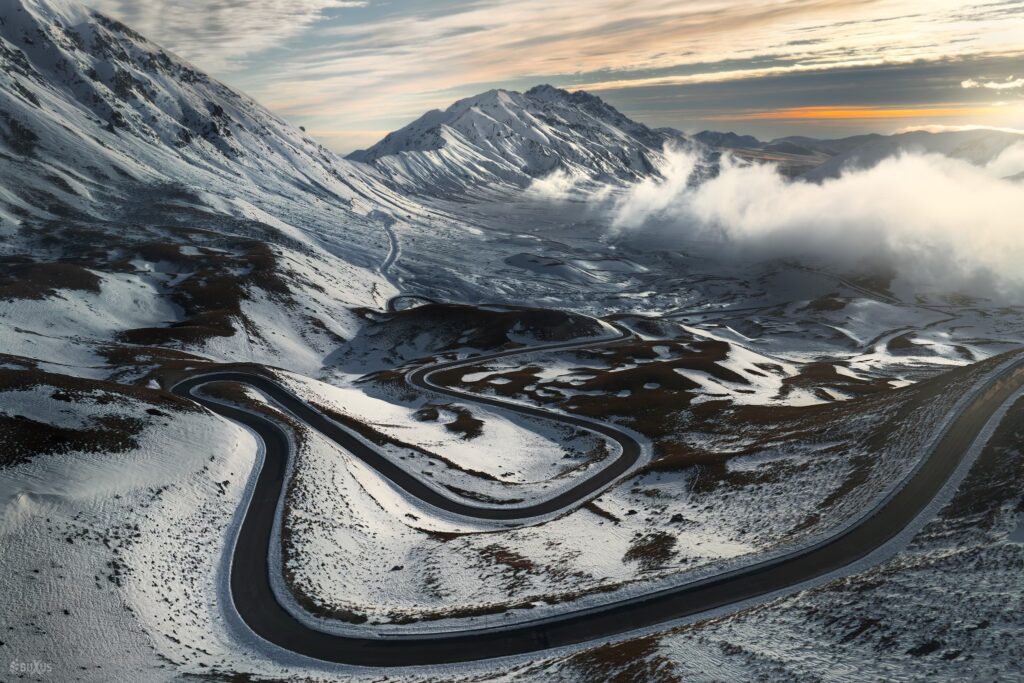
<point x="503" y="139"/>
<point x="828" y="158"/>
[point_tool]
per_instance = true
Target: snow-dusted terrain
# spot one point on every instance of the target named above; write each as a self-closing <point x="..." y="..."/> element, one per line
<point x="156" y="223"/>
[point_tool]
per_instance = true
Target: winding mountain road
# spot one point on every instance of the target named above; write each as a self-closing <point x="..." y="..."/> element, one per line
<point x="630" y="449"/>
<point x="254" y="598"/>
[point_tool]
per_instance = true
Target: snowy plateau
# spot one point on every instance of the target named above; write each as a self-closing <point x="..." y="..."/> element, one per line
<point x="461" y="407"/>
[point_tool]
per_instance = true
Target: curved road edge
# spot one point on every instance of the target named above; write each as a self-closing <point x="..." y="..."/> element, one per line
<point x="630" y="448"/>
<point x="254" y="600"/>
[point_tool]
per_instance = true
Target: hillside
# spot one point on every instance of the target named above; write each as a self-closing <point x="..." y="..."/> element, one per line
<point x="142" y="201"/>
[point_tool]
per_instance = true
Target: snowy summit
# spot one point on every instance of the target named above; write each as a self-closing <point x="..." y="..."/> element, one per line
<point x="502" y="137"/>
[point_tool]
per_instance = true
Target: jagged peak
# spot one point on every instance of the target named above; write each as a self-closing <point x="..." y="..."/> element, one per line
<point x="507" y="137"/>
<point x="540" y="101"/>
<point x="545" y="88"/>
<point x="546" y="91"/>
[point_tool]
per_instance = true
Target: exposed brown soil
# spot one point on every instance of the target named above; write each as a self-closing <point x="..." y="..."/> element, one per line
<point x="817" y="376"/>
<point x="481" y="497"/>
<point x="630" y="661"/>
<point x="21" y="278"/>
<point x="824" y="304"/>
<point x="464" y="423"/>
<point x="22" y="438"/>
<point x="651" y="551"/>
<point x="902" y="344"/>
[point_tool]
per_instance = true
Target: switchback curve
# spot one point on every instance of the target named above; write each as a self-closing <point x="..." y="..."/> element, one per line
<point x="254" y="598"/>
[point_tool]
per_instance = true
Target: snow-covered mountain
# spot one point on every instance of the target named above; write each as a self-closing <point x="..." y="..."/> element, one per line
<point x="82" y="90"/>
<point x="146" y="179"/>
<point x="507" y="138"/>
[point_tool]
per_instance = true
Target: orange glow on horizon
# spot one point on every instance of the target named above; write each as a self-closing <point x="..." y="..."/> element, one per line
<point x="861" y="113"/>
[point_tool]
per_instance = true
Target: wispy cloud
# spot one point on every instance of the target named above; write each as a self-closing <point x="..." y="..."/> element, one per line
<point x="219" y="35"/>
<point x="861" y="113"/>
<point x="381" y="63"/>
<point x="1010" y="83"/>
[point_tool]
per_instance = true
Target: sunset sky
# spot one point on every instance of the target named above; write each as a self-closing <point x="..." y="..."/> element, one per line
<point x="352" y="70"/>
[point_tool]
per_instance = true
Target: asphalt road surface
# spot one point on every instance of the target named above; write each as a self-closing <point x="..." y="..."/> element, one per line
<point x="250" y="571"/>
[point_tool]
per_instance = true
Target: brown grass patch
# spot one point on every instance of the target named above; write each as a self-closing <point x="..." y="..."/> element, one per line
<point x="464" y="423"/>
<point x="819" y="377"/>
<point x="21" y="278"/>
<point x="22" y="438"/>
<point x="903" y="344"/>
<point x="212" y="295"/>
<point x="651" y="551"/>
<point x="631" y="661"/>
<point x="824" y="304"/>
<point x="601" y="512"/>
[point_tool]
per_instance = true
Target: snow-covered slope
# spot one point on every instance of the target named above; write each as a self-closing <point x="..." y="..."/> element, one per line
<point x="509" y="138"/>
<point x="83" y="92"/>
<point x="128" y="175"/>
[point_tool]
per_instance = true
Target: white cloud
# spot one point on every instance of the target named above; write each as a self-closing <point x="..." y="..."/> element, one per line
<point x="400" y="63"/>
<point x="381" y="68"/>
<point x="1010" y="83"/>
<point x="218" y="35"/>
<point x="557" y="186"/>
<point x="939" y="222"/>
<point x="1009" y="163"/>
<point x="939" y="128"/>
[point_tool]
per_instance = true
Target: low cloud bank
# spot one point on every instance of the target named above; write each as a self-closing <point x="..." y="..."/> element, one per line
<point x="937" y="222"/>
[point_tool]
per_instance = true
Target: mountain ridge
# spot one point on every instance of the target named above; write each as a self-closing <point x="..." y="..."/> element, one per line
<point x="132" y="170"/>
<point x="508" y="138"/>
